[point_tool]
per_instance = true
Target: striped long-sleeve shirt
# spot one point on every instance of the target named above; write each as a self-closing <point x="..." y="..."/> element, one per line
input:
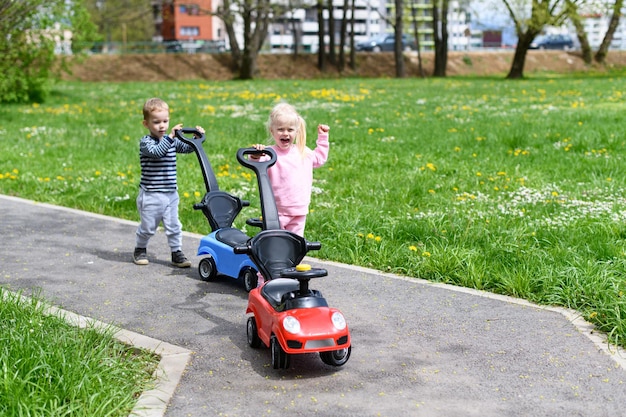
<point x="158" y="162"/>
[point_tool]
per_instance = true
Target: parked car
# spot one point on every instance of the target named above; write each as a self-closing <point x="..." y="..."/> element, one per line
<point x="385" y="42"/>
<point x="552" y="42"/>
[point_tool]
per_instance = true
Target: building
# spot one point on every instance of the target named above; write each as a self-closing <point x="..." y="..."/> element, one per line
<point x="187" y="25"/>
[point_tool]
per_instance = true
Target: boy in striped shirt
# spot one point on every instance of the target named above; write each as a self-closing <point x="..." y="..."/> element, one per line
<point x="158" y="191"/>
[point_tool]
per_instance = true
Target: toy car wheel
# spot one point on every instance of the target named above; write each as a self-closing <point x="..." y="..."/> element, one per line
<point x="249" y="279"/>
<point x="376" y="49"/>
<point x="253" y="335"/>
<point x="280" y="359"/>
<point x="207" y="268"/>
<point x="336" y="357"/>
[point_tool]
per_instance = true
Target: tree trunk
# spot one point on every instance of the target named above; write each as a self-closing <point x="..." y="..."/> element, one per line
<point x="227" y="17"/>
<point x="332" y="51"/>
<point x="256" y="16"/>
<point x="321" y="53"/>
<point x="341" y="64"/>
<point x="420" y="67"/>
<point x="574" y="17"/>
<point x="398" y="49"/>
<point x="519" y="58"/>
<point x="352" y="49"/>
<point x="440" y="63"/>
<point x="608" y="36"/>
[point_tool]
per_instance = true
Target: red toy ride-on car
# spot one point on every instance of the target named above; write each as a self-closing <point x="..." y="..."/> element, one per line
<point x="285" y="314"/>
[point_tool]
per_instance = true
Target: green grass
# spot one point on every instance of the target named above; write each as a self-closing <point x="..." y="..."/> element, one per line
<point x="54" y="369"/>
<point x="514" y="187"/>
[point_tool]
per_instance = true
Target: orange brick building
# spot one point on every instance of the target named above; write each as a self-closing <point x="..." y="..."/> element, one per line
<point x="187" y="20"/>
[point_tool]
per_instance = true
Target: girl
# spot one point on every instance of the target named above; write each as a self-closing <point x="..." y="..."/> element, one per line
<point x="292" y="175"/>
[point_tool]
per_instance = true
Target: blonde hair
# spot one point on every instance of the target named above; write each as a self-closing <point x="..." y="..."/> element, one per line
<point x="153" y="104"/>
<point x="285" y="113"/>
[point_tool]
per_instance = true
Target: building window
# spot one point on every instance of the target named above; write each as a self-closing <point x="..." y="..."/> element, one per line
<point x="189" y="31"/>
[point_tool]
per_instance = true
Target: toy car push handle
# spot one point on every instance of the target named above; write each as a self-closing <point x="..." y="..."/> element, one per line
<point x="196" y="143"/>
<point x="269" y="212"/>
<point x="247" y="248"/>
<point x="200" y="206"/>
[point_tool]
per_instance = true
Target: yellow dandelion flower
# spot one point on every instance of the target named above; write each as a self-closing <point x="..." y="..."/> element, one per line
<point x="413" y="248"/>
<point x="426" y="254"/>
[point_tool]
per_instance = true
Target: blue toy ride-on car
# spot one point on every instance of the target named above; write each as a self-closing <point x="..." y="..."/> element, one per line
<point x="221" y="208"/>
<point x="285" y="314"/>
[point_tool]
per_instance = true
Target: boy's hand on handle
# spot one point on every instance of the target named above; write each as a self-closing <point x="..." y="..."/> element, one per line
<point x="172" y="134"/>
<point x="322" y="129"/>
<point x="199" y="129"/>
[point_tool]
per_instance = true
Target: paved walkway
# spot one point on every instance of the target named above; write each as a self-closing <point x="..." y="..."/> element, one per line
<point x="419" y="349"/>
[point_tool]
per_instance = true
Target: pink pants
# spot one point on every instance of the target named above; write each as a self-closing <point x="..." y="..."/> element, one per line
<point x="294" y="224"/>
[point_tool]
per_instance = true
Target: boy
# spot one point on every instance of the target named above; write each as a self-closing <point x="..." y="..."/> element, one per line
<point x="158" y="191"/>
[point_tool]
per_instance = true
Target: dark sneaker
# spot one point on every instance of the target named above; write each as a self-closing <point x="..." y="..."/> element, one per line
<point x="140" y="257"/>
<point x="180" y="260"/>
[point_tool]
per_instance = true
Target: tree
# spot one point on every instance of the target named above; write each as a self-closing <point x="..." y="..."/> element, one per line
<point x="30" y="30"/>
<point x="574" y="17"/>
<point x="122" y="20"/>
<point x="417" y="39"/>
<point x="256" y="16"/>
<point x="440" y="29"/>
<point x="608" y="36"/>
<point x="529" y="20"/>
<point x="398" y="47"/>
<point x="321" y="35"/>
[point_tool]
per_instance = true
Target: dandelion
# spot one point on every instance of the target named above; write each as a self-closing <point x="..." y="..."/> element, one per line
<point x="413" y="248"/>
<point x="186" y="194"/>
<point x="431" y="166"/>
<point x="426" y="254"/>
<point x="196" y="194"/>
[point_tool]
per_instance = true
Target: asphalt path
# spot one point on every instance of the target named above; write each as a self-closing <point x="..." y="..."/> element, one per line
<point x="419" y="349"/>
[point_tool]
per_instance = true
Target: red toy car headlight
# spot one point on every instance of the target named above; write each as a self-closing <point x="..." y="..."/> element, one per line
<point x="338" y="320"/>
<point x="291" y="324"/>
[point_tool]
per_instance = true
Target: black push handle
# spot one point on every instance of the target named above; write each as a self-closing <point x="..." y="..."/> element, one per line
<point x="313" y="246"/>
<point x="269" y="212"/>
<point x="197" y="136"/>
<point x="210" y="181"/>
<point x="256" y="164"/>
<point x="242" y="250"/>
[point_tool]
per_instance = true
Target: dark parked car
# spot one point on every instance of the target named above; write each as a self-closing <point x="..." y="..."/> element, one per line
<point x="552" y="42"/>
<point x="385" y="43"/>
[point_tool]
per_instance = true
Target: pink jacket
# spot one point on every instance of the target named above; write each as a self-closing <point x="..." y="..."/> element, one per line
<point x="292" y="176"/>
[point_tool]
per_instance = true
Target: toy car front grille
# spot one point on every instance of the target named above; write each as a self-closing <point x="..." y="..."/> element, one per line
<point x="342" y="340"/>
<point x="315" y="344"/>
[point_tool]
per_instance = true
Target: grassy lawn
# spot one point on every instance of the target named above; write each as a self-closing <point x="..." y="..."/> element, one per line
<point x="51" y="368"/>
<point x="514" y="187"/>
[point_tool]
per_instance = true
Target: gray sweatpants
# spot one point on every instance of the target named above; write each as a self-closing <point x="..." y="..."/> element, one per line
<point x="155" y="208"/>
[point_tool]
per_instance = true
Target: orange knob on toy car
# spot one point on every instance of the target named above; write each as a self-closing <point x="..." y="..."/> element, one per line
<point x="303" y="267"/>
